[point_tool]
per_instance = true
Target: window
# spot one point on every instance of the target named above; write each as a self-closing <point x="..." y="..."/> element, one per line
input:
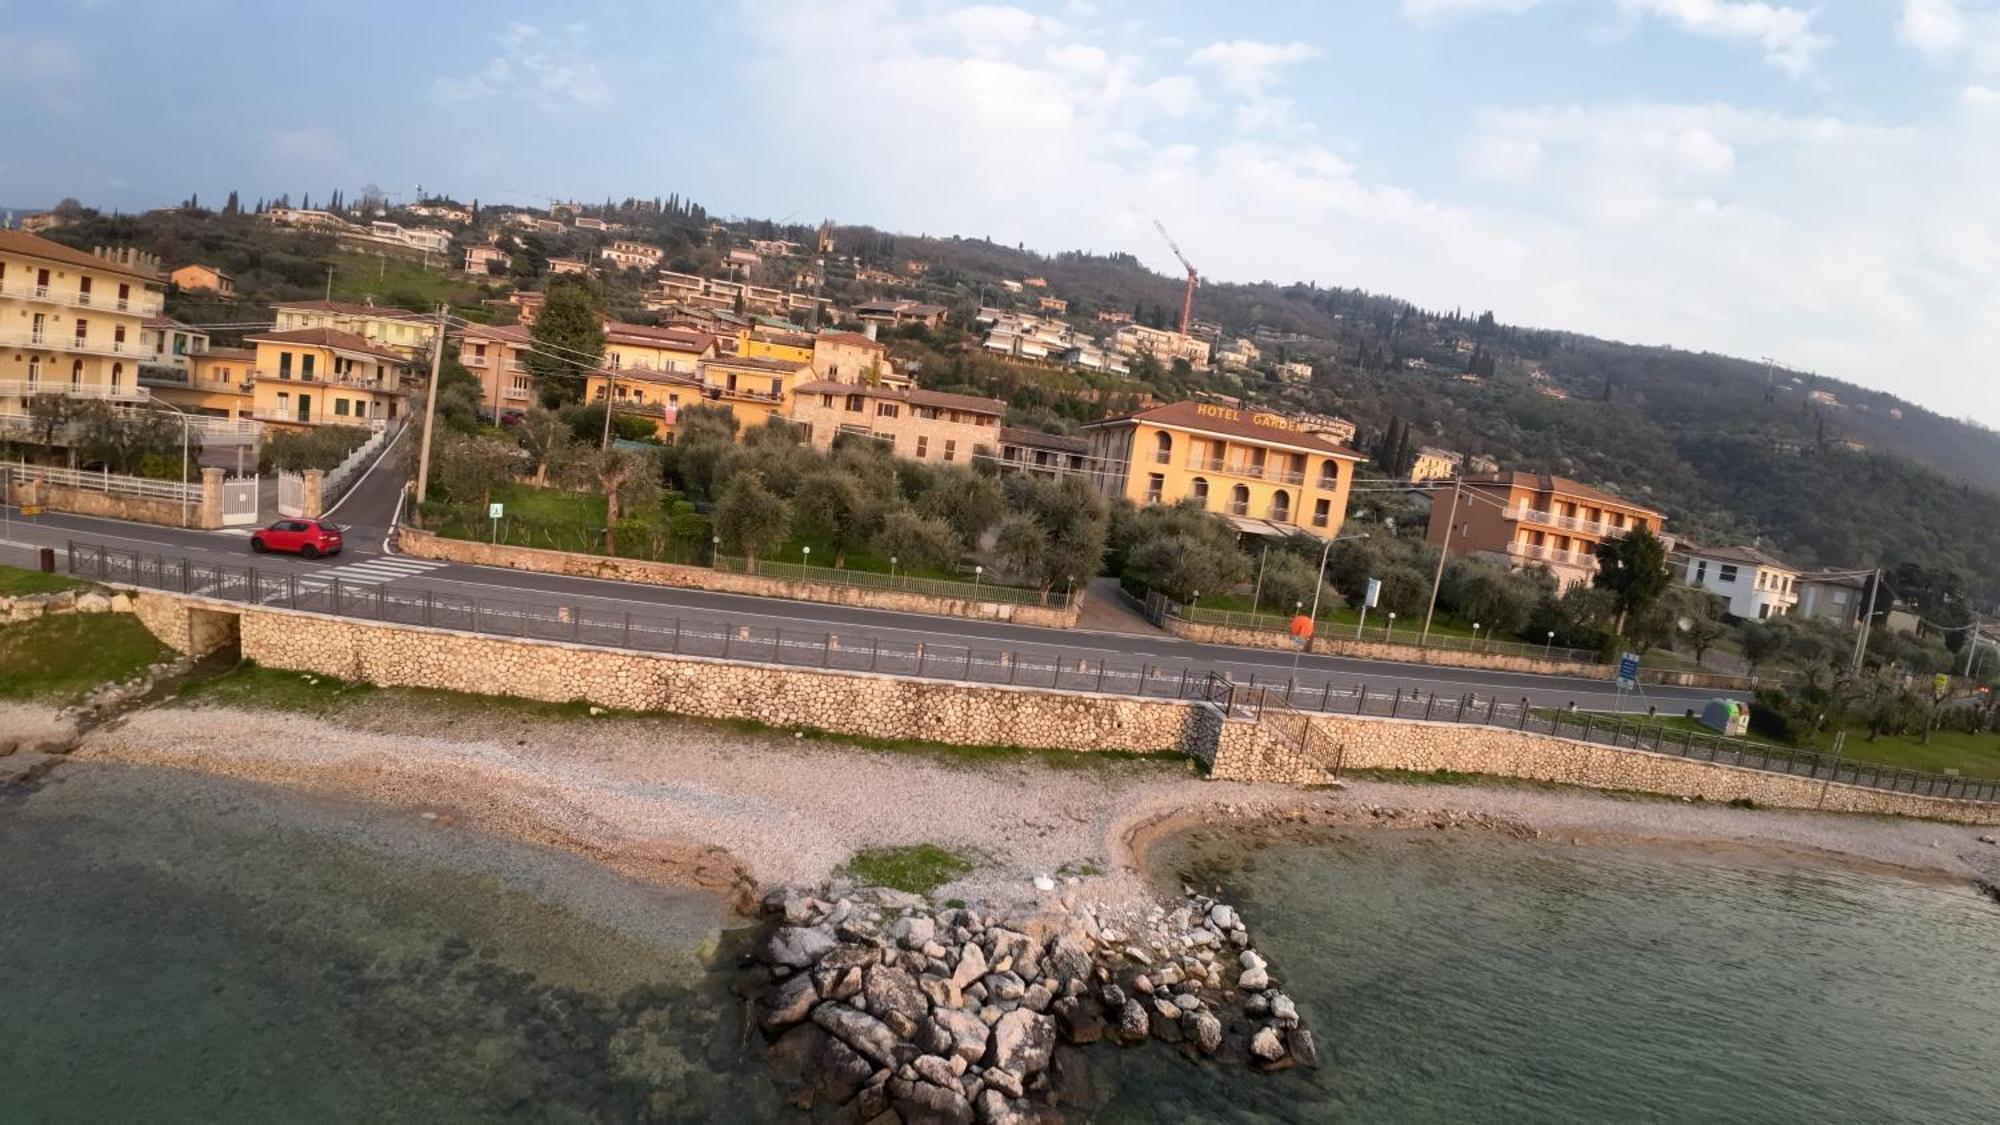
<point x="1763" y="611"/>
<point x="1329" y="475"/>
<point x="854" y="404"/>
<point x="826" y="402"/>
<point x="886" y="410"/>
<point x="34" y="369"/>
<point x="1163" y="448"/>
<point x="923" y="447"/>
<point x="41" y="283"/>
<point x="284" y="365"/>
<point x="118" y="337"/>
<point x="1700" y="571"/>
<point x="306" y="367"/>
<point x="117" y="375"/>
<point x="124" y="295"/>
<point x="76" y="373"/>
<point x="1726" y="575"/>
<point x="1322" y="512"/>
<point x="1281" y="506"/>
<point x="340" y="407"/>
<point x="1239" y="500"/>
<point x="1200" y="492"/>
<point x="950" y="449"/>
<point x="83" y="290"/>
<point x="1156" y="486"/>
<point x="82" y="328"/>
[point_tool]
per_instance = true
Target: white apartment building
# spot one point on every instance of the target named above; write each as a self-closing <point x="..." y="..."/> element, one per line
<point x="1166" y="347"/>
<point x="626" y="254"/>
<point x="1755" y="586"/>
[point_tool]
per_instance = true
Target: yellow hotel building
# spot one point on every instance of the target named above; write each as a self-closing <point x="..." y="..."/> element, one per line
<point x="72" y="321"/>
<point x="323" y="376"/>
<point x="1263" y="472"/>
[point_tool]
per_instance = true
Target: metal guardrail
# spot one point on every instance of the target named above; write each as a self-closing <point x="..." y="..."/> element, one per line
<point x="874" y="580"/>
<point x="324" y="592"/>
<point x="1382" y="633"/>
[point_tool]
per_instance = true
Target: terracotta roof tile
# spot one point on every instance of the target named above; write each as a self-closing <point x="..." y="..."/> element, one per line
<point x="1228" y="421"/>
<point x="326" y="338"/>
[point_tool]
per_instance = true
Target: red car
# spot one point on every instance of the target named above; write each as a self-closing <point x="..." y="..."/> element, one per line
<point x="308" y="539"/>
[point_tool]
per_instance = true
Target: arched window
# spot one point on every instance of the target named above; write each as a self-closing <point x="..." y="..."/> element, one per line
<point x="76" y="374"/>
<point x="117" y="376"/>
<point x="1329" y="475"/>
<point x="1201" y="491"/>
<point x="1163" y="448"/>
<point x="1281" y="506"/>
<point x="1239" y="500"/>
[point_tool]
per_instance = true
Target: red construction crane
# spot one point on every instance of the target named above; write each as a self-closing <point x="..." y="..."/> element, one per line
<point x="1194" y="279"/>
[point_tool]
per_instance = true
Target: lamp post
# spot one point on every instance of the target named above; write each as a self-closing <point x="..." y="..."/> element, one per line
<point x="1549" y="649"/>
<point x="1475" y="635"/>
<point x="1324" y="552"/>
<point x="892" y="570"/>
<point x="976" y="572"/>
<point x="715" y="552"/>
<point x="184" y="456"/>
<point x="807" y="554"/>
<point x="1389" y="630"/>
<point x="1069" y="590"/>
<point x="1298" y="646"/>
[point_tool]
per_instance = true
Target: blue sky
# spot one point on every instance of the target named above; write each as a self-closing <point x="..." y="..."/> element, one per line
<point x="1809" y="181"/>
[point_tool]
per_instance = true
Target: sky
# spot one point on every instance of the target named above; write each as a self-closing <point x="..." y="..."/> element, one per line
<point x="1809" y="181"/>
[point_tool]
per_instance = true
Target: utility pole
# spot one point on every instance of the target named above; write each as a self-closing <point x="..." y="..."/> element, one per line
<point x="610" y="394"/>
<point x="1867" y="621"/>
<point x="1444" y="550"/>
<point x="430" y="416"/>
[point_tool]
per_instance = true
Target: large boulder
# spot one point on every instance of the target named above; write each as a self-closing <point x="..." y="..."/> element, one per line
<point x="1133" y="1023"/>
<point x="795" y="947"/>
<point x="788" y="1002"/>
<point x="953" y="1031"/>
<point x="1078" y="1019"/>
<point x="914" y="931"/>
<point x="971" y="965"/>
<point x="1022" y="1041"/>
<point x="1266" y="1045"/>
<point x="895" y="999"/>
<point x="926" y="1103"/>
<point x="870" y="1037"/>
<point x="1205" y="1031"/>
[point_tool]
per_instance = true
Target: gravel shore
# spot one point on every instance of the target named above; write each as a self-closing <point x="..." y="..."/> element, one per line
<point x="692" y="803"/>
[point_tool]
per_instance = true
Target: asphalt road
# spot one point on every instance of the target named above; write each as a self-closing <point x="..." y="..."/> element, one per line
<point x="369" y="509"/>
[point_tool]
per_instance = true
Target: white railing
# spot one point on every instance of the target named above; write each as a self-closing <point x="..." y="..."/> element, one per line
<point x="56" y="342"/>
<point x="1577" y="524"/>
<point x="1551" y="554"/>
<point x="336" y="479"/>
<point x="105" y="482"/>
<point x="137" y="306"/>
<point x="21" y="388"/>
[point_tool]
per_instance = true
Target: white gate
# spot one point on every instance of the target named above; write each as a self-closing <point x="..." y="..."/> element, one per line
<point x="291" y="494"/>
<point x="239" y="501"/>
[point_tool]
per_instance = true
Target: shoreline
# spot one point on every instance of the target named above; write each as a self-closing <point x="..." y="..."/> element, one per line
<point x="678" y="803"/>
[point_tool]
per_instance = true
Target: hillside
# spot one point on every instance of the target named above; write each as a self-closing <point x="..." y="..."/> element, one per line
<point x="1731" y="450"/>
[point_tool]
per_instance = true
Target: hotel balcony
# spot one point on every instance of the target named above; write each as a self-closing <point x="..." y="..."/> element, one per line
<point x="1269" y="473"/>
<point x="315" y="380"/>
<point x="139" y="304"/>
<point x="69" y="344"/>
<point x="1578" y="525"/>
<point x="1552" y="555"/>
<point x="30" y="388"/>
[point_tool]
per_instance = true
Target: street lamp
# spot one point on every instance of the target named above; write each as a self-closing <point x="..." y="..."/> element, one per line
<point x="184" y="456"/>
<point x="1069" y="590"/>
<point x="1475" y="634"/>
<point x="1323" y="553"/>
<point x="976" y="572"/>
<point x="807" y="552"/>
<point x="892" y="570"/>
<point x="1549" y="650"/>
<point x="715" y="552"/>
<point x="1389" y="630"/>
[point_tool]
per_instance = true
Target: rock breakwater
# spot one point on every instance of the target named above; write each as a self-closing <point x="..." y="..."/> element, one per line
<point x="875" y="1002"/>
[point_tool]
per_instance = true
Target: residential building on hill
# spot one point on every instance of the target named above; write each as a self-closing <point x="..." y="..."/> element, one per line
<point x="406" y="333"/>
<point x="324" y="376"/>
<point x="480" y="260"/>
<point x="167" y="342"/>
<point x="72" y="321"/>
<point x="1339" y="429"/>
<point x="1755" y="586"/>
<point x="677" y="351"/>
<point x="215" y="382"/>
<point x="918" y="424"/>
<point x="898" y="313"/>
<point x="1166" y="347"/>
<point x="850" y="357"/>
<point x="626" y="254"/>
<point x="1264" y="472"/>
<point x="1526" y="519"/>
<point x="1237" y="355"/>
<point x="1433" y="463"/>
<point x="1834" y="596"/>
<point x="562" y="267"/>
<point x="1048" y="454"/>
<point x="498" y="355"/>
<point x="195" y="277"/>
<point x="1295" y="371"/>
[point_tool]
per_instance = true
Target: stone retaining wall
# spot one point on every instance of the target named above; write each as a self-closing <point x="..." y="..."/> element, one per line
<point x="1248" y="751"/>
<point x="189" y="626"/>
<point x="204" y="514"/>
<point x="427" y="545"/>
<point x="851" y="703"/>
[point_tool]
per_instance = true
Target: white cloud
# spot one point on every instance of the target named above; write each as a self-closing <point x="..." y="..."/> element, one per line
<point x="552" y="68"/>
<point x="1951" y="30"/>
<point x="1785" y="33"/>
<point x="1433" y="9"/>
<point x="1248" y="67"/>
<point x="1863" y="251"/>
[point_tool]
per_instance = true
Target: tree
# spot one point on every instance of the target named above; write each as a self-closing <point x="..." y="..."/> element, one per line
<point x="1290" y="580"/>
<point x="835" y="505"/>
<point x="752" y="517"/>
<point x="548" y="440"/>
<point x="1020" y="544"/>
<point x="630" y="481"/>
<point x="568" y="339"/>
<point x="464" y="468"/>
<point x="968" y="501"/>
<point x="1633" y="567"/>
<point x="1761" y="643"/>
<point x="915" y="540"/>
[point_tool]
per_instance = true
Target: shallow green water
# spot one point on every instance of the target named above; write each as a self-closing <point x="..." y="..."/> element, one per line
<point x="178" y="948"/>
<point x="1469" y="977"/>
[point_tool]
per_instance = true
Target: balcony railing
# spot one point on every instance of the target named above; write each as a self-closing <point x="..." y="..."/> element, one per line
<point x="1267" y="472"/>
<point x="79" y="299"/>
<point x="1581" y="526"/>
<point x="473" y="360"/>
<point x="29" y="388"/>
<point x="1551" y="555"/>
<point x="51" y="341"/>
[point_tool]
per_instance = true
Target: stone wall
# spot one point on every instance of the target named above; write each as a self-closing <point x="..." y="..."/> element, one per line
<point x="1326" y="644"/>
<point x="189" y="626"/>
<point x="1248" y="751"/>
<point x="205" y="514"/>
<point x="426" y="545"/>
<point x="850" y="703"/>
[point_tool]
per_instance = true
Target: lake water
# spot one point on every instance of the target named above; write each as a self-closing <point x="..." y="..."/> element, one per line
<point x="1470" y="977"/>
<point x="177" y="948"/>
<point x="180" y="948"/>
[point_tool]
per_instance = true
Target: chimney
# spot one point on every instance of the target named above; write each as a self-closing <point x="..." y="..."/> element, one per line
<point x="869" y="330"/>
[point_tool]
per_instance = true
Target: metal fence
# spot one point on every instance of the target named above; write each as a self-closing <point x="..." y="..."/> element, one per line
<point x="1378" y="630"/>
<point x="105" y="482"/>
<point x="324" y="592"/>
<point x="874" y="580"/>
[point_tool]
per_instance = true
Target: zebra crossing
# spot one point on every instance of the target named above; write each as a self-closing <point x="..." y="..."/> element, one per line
<point x="371" y="572"/>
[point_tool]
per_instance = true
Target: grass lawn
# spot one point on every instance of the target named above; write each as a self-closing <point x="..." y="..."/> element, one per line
<point x="1336" y="618"/>
<point x="1972" y="755"/>
<point x="60" y="658"/>
<point x="15" y="582"/>
<point x="918" y="869"/>
<point x="397" y="281"/>
<point x="555" y="520"/>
